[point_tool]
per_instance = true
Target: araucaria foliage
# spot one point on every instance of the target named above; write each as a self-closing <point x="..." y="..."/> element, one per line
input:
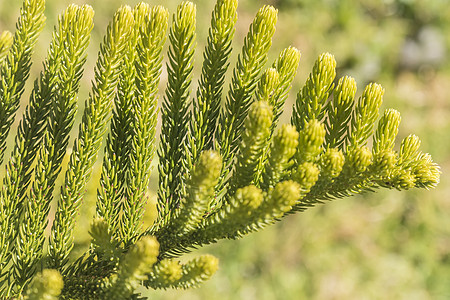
<point x="224" y="170"/>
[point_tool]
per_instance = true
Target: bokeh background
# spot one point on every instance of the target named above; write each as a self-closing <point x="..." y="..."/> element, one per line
<point x="387" y="245"/>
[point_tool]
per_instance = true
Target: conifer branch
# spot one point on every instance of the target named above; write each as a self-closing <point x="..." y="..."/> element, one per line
<point x="70" y="40"/>
<point x="277" y="201"/>
<point x="90" y="135"/>
<point x="311" y="99"/>
<point x="118" y="141"/>
<point x="268" y="90"/>
<point x="206" y="106"/>
<point x="172" y="152"/>
<point x="223" y="175"/>
<point x="148" y="71"/>
<point x="223" y="223"/>
<point x="16" y="68"/>
<point x="14" y="72"/>
<point x="254" y="142"/>
<point x="200" y="194"/>
<point x="365" y="115"/>
<point x="197" y="271"/>
<point x="171" y="274"/>
<point x="286" y="66"/>
<point x="165" y="274"/>
<point x="243" y="84"/>
<point x="282" y="149"/>
<point x="285" y="69"/>
<point x="339" y="111"/>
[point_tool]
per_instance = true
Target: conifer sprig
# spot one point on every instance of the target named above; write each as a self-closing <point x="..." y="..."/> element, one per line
<point x="92" y="128"/>
<point x="254" y="142"/>
<point x="172" y="151"/>
<point x="365" y="114"/>
<point x="118" y="141"/>
<point x="70" y="40"/>
<point x="133" y="269"/>
<point x="197" y="271"/>
<point x="199" y="196"/>
<point x="14" y="72"/>
<point x="148" y="70"/>
<point x="283" y="147"/>
<point x="170" y="273"/>
<point x="243" y="84"/>
<point x="384" y="137"/>
<point x="16" y="68"/>
<point x="206" y="106"/>
<point x="222" y="175"/>
<point x="339" y="112"/>
<point x="276" y="92"/>
<point x="286" y="66"/>
<point x="311" y="99"/>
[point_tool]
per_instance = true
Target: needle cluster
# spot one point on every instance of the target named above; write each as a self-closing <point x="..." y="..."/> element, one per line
<point x="226" y="167"/>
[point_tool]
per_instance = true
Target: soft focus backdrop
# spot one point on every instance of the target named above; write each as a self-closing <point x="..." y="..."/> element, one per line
<point x="387" y="245"/>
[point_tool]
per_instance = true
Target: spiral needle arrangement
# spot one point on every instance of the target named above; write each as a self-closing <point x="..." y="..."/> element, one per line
<point x="226" y="167"/>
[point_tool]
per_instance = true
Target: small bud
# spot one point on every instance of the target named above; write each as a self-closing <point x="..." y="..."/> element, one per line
<point x="284" y="145"/>
<point x="326" y="65"/>
<point x="87" y="12"/>
<point x="345" y="91"/>
<point x="123" y="16"/>
<point x="331" y="162"/>
<point x="288" y="61"/>
<point x="285" y="141"/>
<point x="426" y="172"/>
<point x="266" y="16"/>
<point x="140" y="12"/>
<point x="311" y="140"/>
<point x="409" y="149"/>
<point x="384" y="162"/>
<point x="387" y="130"/>
<point x="186" y="12"/>
<point x="284" y="196"/>
<point x="249" y="196"/>
<point x="359" y="159"/>
<point x="167" y="272"/>
<point x="307" y="175"/>
<point x="207" y="169"/>
<point x="45" y="285"/>
<point x="259" y="118"/>
<point x="372" y="95"/>
<point x="267" y="86"/>
<point x="141" y="257"/>
<point x="403" y="179"/>
<point x="203" y="266"/>
<point x="101" y="237"/>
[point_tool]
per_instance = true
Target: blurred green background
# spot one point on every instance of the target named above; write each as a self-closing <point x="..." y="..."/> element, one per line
<point x="387" y="245"/>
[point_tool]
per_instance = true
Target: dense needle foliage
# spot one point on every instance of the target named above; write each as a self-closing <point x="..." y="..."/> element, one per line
<point x="224" y="170"/>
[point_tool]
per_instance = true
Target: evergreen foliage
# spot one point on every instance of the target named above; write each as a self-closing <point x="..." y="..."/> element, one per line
<point x="224" y="171"/>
